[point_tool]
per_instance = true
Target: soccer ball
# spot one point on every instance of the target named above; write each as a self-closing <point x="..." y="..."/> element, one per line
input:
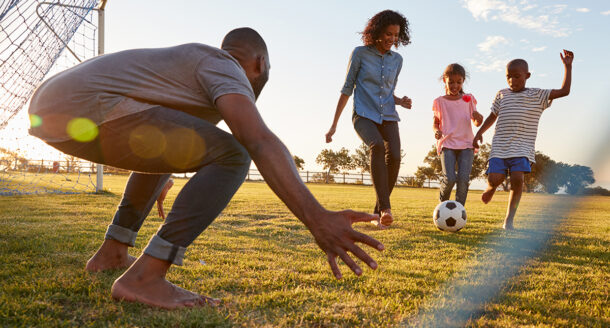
<point x="449" y="216"/>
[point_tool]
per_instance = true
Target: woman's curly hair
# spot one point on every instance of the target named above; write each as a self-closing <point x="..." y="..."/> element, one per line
<point x="378" y="23"/>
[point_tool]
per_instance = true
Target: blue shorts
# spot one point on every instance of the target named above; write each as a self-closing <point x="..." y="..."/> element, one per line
<point x="507" y="165"/>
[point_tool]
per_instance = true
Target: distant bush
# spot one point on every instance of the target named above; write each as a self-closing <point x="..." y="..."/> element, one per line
<point x="596" y="191"/>
<point x="321" y="178"/>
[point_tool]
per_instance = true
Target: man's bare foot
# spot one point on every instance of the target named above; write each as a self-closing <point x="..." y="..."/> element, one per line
<point x="111" y="255"/>
<point x="156" y="291"/>
<point x="144" y="282"/>
<point x="488" y="194"/>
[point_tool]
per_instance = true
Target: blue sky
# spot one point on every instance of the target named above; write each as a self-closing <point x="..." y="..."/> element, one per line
<point x="310" y="42"/>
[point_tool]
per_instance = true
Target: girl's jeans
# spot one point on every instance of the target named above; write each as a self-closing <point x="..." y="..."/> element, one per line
<point x="452" y="160"/>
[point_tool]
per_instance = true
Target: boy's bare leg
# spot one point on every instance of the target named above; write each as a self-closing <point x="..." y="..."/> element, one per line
<point x="516" y="189"/>
<point x="493" y="181"/>
<point x="111" y="255"/>
<point x="144" y="282"/>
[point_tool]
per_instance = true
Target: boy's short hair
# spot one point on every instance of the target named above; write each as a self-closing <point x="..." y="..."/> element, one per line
<point x="518" y="63"/>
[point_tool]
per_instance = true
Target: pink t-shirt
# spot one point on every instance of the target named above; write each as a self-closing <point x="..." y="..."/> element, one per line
<point x="455" y="121"/>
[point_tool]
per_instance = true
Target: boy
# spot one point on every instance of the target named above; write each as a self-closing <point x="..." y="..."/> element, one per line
<point x="518" y="111"/>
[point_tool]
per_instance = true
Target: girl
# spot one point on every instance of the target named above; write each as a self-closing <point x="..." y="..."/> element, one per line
<point x="453" y="132"/>
<point x="373" y="71"/>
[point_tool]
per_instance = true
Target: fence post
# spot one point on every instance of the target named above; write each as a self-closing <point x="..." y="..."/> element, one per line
<point x="307" y="177"/>
<point x="343" y="177"/>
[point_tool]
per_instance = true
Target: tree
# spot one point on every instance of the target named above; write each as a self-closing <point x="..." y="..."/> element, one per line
<point x="424" y="173"/>
<point x="479" y="163"/>
<point x="11" y="160"/>
<point x="333" y="162"/>
<point x="298" y="162"/>
<point x="434" y="161"/>
<point x="577" y="178"/>
<point x="546" y="173"/>
<point x="411" y="182"/>
<point x="362" y="158"/>
<point x="597" y="191"/>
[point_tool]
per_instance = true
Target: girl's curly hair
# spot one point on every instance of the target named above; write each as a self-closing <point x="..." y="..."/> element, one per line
<point x="378" y="23"/>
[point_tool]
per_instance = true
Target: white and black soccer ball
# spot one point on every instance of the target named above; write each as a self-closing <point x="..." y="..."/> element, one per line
<point x="449" y="216"/>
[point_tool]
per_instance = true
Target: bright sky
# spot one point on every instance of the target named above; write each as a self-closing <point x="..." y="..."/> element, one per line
<point x="310" y="42"/>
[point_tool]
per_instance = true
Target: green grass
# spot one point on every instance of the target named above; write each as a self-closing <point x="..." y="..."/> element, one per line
<point x="262" y="262"/>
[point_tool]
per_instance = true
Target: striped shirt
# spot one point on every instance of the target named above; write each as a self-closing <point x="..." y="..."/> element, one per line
<point x="517" y="126"/>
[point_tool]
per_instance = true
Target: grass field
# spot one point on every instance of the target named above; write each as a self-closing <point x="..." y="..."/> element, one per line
<point x="262" y="262"/>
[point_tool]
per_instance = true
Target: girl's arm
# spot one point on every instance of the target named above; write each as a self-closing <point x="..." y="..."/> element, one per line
<point x="340" y="105"/>
<point x="477" y="118"/>
<point x="436" y="127"/>
<point x="491" y="119"/>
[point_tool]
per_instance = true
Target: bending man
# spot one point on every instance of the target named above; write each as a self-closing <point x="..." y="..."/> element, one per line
<point x="154" y="112"/>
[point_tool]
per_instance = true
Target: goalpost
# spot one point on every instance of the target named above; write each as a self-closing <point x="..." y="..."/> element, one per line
<point x="38" y="39"/>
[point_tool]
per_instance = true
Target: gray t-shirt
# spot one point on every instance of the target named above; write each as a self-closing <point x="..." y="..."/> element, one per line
<point x="187" y="78"/>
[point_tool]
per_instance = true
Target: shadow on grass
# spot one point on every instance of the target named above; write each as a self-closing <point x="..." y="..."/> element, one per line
<point x="498" y="259"/>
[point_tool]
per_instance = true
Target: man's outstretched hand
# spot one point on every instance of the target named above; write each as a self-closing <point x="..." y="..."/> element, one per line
<point x="336" y="237"/>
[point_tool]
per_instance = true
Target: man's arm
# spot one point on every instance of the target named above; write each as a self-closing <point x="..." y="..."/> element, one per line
<point x="566" y="57"/>
<point x="331" y="230"/>
<point x="489" y="121"/>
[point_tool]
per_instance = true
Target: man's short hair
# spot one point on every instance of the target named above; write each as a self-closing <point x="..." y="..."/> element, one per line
<point x="244" y="37"/>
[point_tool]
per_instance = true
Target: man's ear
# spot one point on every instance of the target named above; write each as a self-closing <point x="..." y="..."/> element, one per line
<point x="527" y="76"/>
<point x="260" y="64"/>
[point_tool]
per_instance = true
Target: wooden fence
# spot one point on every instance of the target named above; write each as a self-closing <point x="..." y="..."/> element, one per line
<point x="80" y="166"/>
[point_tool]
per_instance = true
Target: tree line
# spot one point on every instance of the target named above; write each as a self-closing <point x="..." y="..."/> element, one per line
<point x="547" y="175"/>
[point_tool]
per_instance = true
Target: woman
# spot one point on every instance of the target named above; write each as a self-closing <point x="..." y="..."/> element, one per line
<point x="373" y="71"/>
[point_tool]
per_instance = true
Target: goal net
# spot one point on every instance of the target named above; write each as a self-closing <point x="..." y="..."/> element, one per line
<point x="38" y="39"/>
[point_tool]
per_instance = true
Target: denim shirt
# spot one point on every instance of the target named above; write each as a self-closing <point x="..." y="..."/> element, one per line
<point x="374" y="77"/>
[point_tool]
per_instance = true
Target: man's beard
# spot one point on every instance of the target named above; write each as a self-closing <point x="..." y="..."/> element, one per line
<point x="259" y="83"/>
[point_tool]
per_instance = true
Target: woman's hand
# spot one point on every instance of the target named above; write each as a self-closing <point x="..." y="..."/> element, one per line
<point x="405" y="102"/>
<point x="329" y="134"/>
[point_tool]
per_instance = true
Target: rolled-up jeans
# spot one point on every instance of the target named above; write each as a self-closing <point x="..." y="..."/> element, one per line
<point x="453" y="160"/>
<point x="155" y="143"/>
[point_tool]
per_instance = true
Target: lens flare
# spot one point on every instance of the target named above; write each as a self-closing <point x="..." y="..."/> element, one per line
<point x="185" y="148"/>
<point x="147" y="141"/>
<point x="35" y="120"/>
<point x="82" y="129"/>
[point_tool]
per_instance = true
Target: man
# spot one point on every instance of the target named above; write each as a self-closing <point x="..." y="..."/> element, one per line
<point x="154" y="111"/>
